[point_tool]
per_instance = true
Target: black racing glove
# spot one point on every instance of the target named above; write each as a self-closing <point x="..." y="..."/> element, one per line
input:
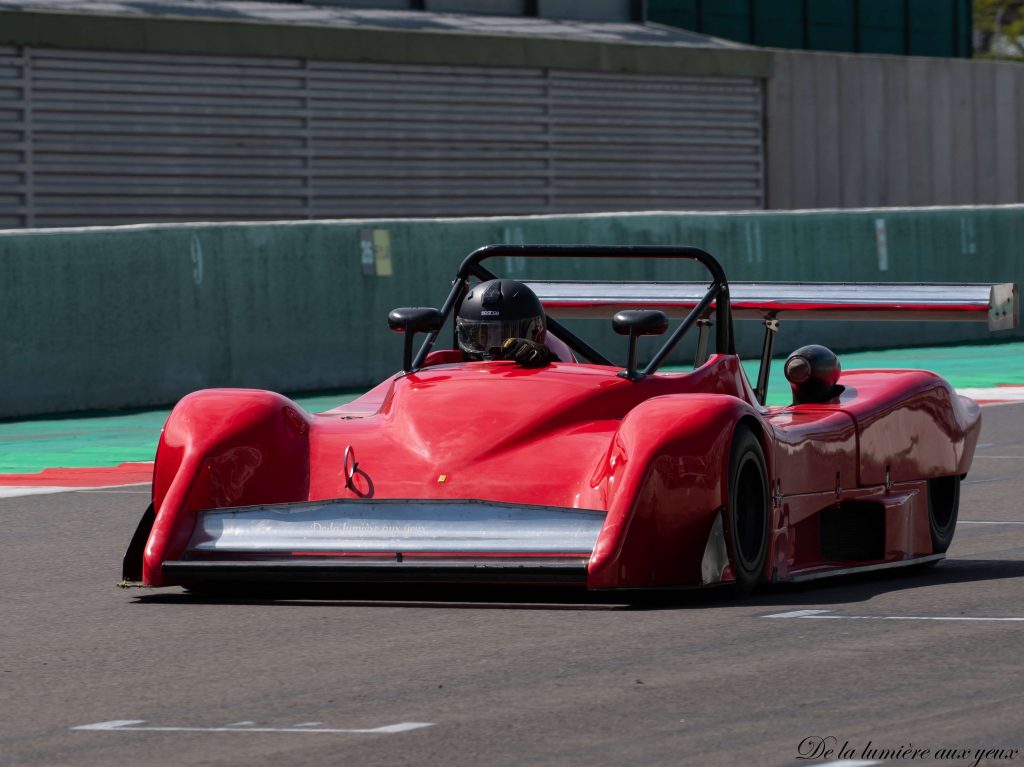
<point x="527" y="353"/>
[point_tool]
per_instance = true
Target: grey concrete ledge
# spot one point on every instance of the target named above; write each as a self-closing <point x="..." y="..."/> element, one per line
<point x="538" y="217"/>
<point x="205" y="36"/>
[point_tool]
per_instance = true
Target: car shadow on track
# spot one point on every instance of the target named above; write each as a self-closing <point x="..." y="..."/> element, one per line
<point x="840" y="590"/>
<point x="854" y="588"/>
<point x="376" y="595"/>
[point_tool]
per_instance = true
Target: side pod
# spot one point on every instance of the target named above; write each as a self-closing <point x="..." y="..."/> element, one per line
<point x="668" y="470"/>
<point x="222" y="448"/>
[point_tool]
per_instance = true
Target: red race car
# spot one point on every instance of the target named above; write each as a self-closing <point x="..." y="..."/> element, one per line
<point x="581" y="472"/>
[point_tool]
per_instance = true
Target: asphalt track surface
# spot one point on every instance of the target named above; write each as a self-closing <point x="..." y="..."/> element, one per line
<point x="534" y="679"/>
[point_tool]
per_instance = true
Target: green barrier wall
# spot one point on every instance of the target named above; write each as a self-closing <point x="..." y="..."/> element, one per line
<point x="134" y="316"/>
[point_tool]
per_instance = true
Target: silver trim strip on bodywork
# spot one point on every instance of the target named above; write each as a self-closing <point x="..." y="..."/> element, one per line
<point x="414" y="526"/>
<point x="829" y="573"/>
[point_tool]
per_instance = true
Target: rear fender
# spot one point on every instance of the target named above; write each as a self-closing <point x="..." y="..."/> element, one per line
<point x="666" y="473"/>
<point x="219" y="448"/>
<point x="928" y="431"/>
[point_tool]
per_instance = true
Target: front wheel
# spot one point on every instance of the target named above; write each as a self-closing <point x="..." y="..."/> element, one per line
<point x="748" y="511"/>
<point x="943" y="506"/>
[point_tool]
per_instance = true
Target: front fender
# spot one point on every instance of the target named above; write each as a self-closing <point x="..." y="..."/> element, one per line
<point x="667" y="474"/>
<point x="219" y="448"/>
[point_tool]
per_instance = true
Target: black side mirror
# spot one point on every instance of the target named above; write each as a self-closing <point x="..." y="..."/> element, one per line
<point x="635" y="323"/>
<point x="813" y="372"/>
<point x="412" y="320"/>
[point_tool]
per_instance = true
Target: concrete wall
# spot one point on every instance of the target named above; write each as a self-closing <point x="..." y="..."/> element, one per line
<point x="108" y="138"/>
<point x="129" y="117"/>
<point x="856" y="130"/>
<point x="135" y="316"/>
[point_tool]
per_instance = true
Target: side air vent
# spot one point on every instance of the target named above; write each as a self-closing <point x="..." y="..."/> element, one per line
<point x="853" y="532"/>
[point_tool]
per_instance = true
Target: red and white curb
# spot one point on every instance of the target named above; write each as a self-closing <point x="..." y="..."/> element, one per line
<point x="994" y="395"/>
<point x="66" y="480"/>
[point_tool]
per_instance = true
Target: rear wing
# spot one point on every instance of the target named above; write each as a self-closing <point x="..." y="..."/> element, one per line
<point x="998" y="305"/>
<point x="698" y="302"/>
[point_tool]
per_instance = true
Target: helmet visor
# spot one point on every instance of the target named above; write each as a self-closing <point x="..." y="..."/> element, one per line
<point x="482" y="339"/>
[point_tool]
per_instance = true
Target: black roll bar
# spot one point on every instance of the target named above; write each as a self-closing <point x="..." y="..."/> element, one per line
<point x="718" y="291"/>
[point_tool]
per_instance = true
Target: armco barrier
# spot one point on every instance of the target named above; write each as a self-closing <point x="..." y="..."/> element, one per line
<point x="134" y="316"/>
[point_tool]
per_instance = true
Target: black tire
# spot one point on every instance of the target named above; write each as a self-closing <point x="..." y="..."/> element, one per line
<point x="748" y="509"/>
<point x="943" y="507"/>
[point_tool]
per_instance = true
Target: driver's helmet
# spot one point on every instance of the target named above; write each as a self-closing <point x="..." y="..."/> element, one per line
<point x="494" y="311"/>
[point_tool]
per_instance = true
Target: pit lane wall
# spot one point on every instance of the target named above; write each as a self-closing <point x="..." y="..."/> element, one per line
<point x="135" y="316"/>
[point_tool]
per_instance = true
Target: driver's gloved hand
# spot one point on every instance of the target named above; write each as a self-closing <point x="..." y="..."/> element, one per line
<point x="527" y="353"/>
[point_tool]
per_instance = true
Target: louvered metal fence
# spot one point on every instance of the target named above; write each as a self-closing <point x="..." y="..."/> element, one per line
<point x="106" y="137"/>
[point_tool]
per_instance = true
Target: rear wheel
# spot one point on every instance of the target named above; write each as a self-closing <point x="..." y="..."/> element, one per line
<point x="943" y="506"/>
<point x="748" y="509"/>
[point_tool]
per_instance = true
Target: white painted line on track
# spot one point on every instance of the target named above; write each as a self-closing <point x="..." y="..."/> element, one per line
<point x="114" y="724"/>
<point x="16" y="491"/>
<point x="114" y="490"/>
<point x="134" y="725"/>
<point x="977" y="522"/>
<point x="825" y="614"/>
<point x="795" y="614"/>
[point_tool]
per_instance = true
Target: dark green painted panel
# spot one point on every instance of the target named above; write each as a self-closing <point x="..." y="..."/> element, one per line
<point x="932" y="28"/>
<point x="779" y="23"/>
<point x="876" y="40"/>
<point x="964" y="29"/>
<point x="933" y="16"/>
<point x="825" y="37"/>
<point x="831" y="12"/>
<point x="937" y="27"/>
<point x="882" y="27"/>
<point x="789" y="11"/>
<point x="727" y="7"/>
<point x="726" y="18"/>
<point x="830" y="25"/>
<point x="929" y="44"/>
<point x="888" y="14"/>
<point x="675" y="13"/>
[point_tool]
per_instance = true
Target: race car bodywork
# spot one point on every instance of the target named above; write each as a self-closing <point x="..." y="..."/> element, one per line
<point x="577" y="473"/>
